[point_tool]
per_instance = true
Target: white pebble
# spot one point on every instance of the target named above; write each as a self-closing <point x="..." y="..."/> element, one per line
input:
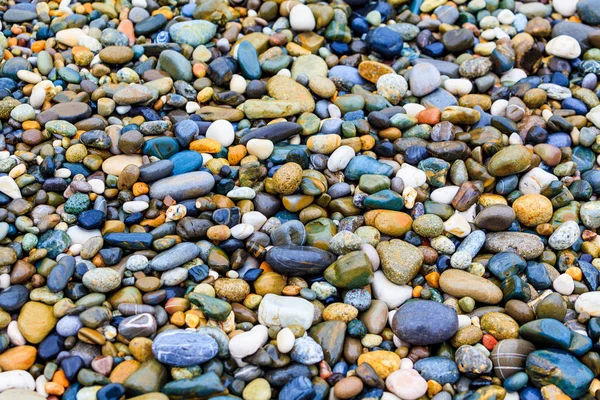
<point x="413" y="109"/>
<point x="411" y="176"/>
<point x="302" y="18"/>
<point x="97" y="185"/>
<point x="564" y="284"/>
<point x="131" y="207"/>
<point x="499" y="107"/>
<point x="238" y="84"/>
<point x="334" y="111"/>
<point x="222" y="131"/>
<point x="507" y="17"/>
<point x="40" y="385"/>
<point x="339" y="159"/>
<point x="285" y="340"/>
<point x="4" y="281"/>
<point x="242" y="231"/>
<point x="458" y="87"/>
<point x="254" y="218"/>
<point x="14" y="334"/>
<point x="261" y="148"/>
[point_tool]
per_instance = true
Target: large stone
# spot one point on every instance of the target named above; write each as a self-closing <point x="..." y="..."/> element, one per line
<point x="180" y="348"/>
<point x="424" y="322"/>
<point x="559" y="368"/>
<point x="460" y="283"/>
<point x="283" y="311"/>
<point x="190" y="185"/>
<point x="36" y="321"/>
<point x="400" y="261"/>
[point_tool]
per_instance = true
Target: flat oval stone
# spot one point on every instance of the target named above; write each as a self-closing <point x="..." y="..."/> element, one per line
<point x="459" y="284"/>
<point x="424" y="322"/>
<point x="180" y="348"/>
<point x="190" y="185"/>
<point x="293" y="260"/>
<point x="175" y="256"/>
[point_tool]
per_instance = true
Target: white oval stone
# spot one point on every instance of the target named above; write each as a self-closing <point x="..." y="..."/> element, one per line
<point x="221" y="131"/>
<point x="242" y="231"/>
<point x="339" y="159"/>
<point x="254" y="218"/>
<point x="564" y="46"/>
<point x="445" y="194"/>
<point x="285" y="340"/>
<point x="14" y="334"/>
<point x="284" y="311"/>
<point x="391" y="294"/>
<point x="566" y="8"/>
<point x="564" y="284"/>
<point x="135" y="206"/>
<point x="9" y="187"/>
<point x="302" y="18"/>
<point x="457" y="225"/>
<point x="16" y="380"/>
<point x="588" y="302"/>
<point x="261" y="148"/>
<point x="411" y="176"/>
<point x="458" y="87"/>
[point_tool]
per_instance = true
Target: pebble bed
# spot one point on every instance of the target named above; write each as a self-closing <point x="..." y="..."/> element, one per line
<point x="267" y="199"/>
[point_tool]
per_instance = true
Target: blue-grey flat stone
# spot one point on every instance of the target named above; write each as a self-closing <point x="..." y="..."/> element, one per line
<point x="182" y="187"/>
<point x="184" y="348"/>
<point x="175" y="256"/>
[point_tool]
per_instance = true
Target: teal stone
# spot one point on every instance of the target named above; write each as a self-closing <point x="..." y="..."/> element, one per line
<point x="403" y="121"/>
<point x="186" y="161"/>
<point x="444" y="211"/>
<point x="385" y="200"/>
<point x="559" y="368"/>
<point x="129" y="241"/>
<point x="370" y="183"/>
<point x="418" y="131"/>
<point x="29" y="241"/>
<point x="176" y="65"/>
<point x="361" y="165"/>
<point x="55" y="242"/>
<point x="548" y="332"/>
<point x="201" y="386"/>
<point x="77" y="203"/>
<point x="248" y="60"/>
<point x="69" y="75"/>
<point x="214" y="308"/>
<point x="161" y="147"/>
<point x="584" y="157"/>
<point x="505" y="264"/>
<point x="514" y="287"/>
<point x="280" y="152"/>
<point x="274" y="65"/>
<point x="436" y="171"/>
<point x="194" y="33"/>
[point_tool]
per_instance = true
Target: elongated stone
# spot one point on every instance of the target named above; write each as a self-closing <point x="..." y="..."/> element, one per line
<point x="293" y="260"/>
<point x="175" y="256"/>
<point x="182" y="187"/>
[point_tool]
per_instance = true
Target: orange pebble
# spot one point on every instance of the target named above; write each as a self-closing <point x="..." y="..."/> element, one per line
<point x="31" y="125"/>
<point x="13" y="41"/>
<point x="140" y="188"/>
<point x="430" y="116"/>
<point x="60" y="378"/>
<point x="575" y="273"/>
<point x="126" y="27"/>
<point x="265" y="267"/>
<point x="417" y="291"/>
<point x="433" y="278"/>
<point x="54" y="388"/>
<point x="489" y="341"/>
<point x="38" y="46"/>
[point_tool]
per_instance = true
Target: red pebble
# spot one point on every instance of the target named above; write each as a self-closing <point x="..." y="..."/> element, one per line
<point x="489" y="341"/>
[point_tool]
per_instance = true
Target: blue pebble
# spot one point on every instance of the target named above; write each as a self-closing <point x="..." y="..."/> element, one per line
<point x="299" y="388"/>
<point x="559" y="139"/>
<point x="516" y="382"/>
<point x="340" y="49"/>
<point x="434" y="49"/>
<point x="188" y="10"/>
<point x="576" y="105"/>
<point x="558" y="78"/>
